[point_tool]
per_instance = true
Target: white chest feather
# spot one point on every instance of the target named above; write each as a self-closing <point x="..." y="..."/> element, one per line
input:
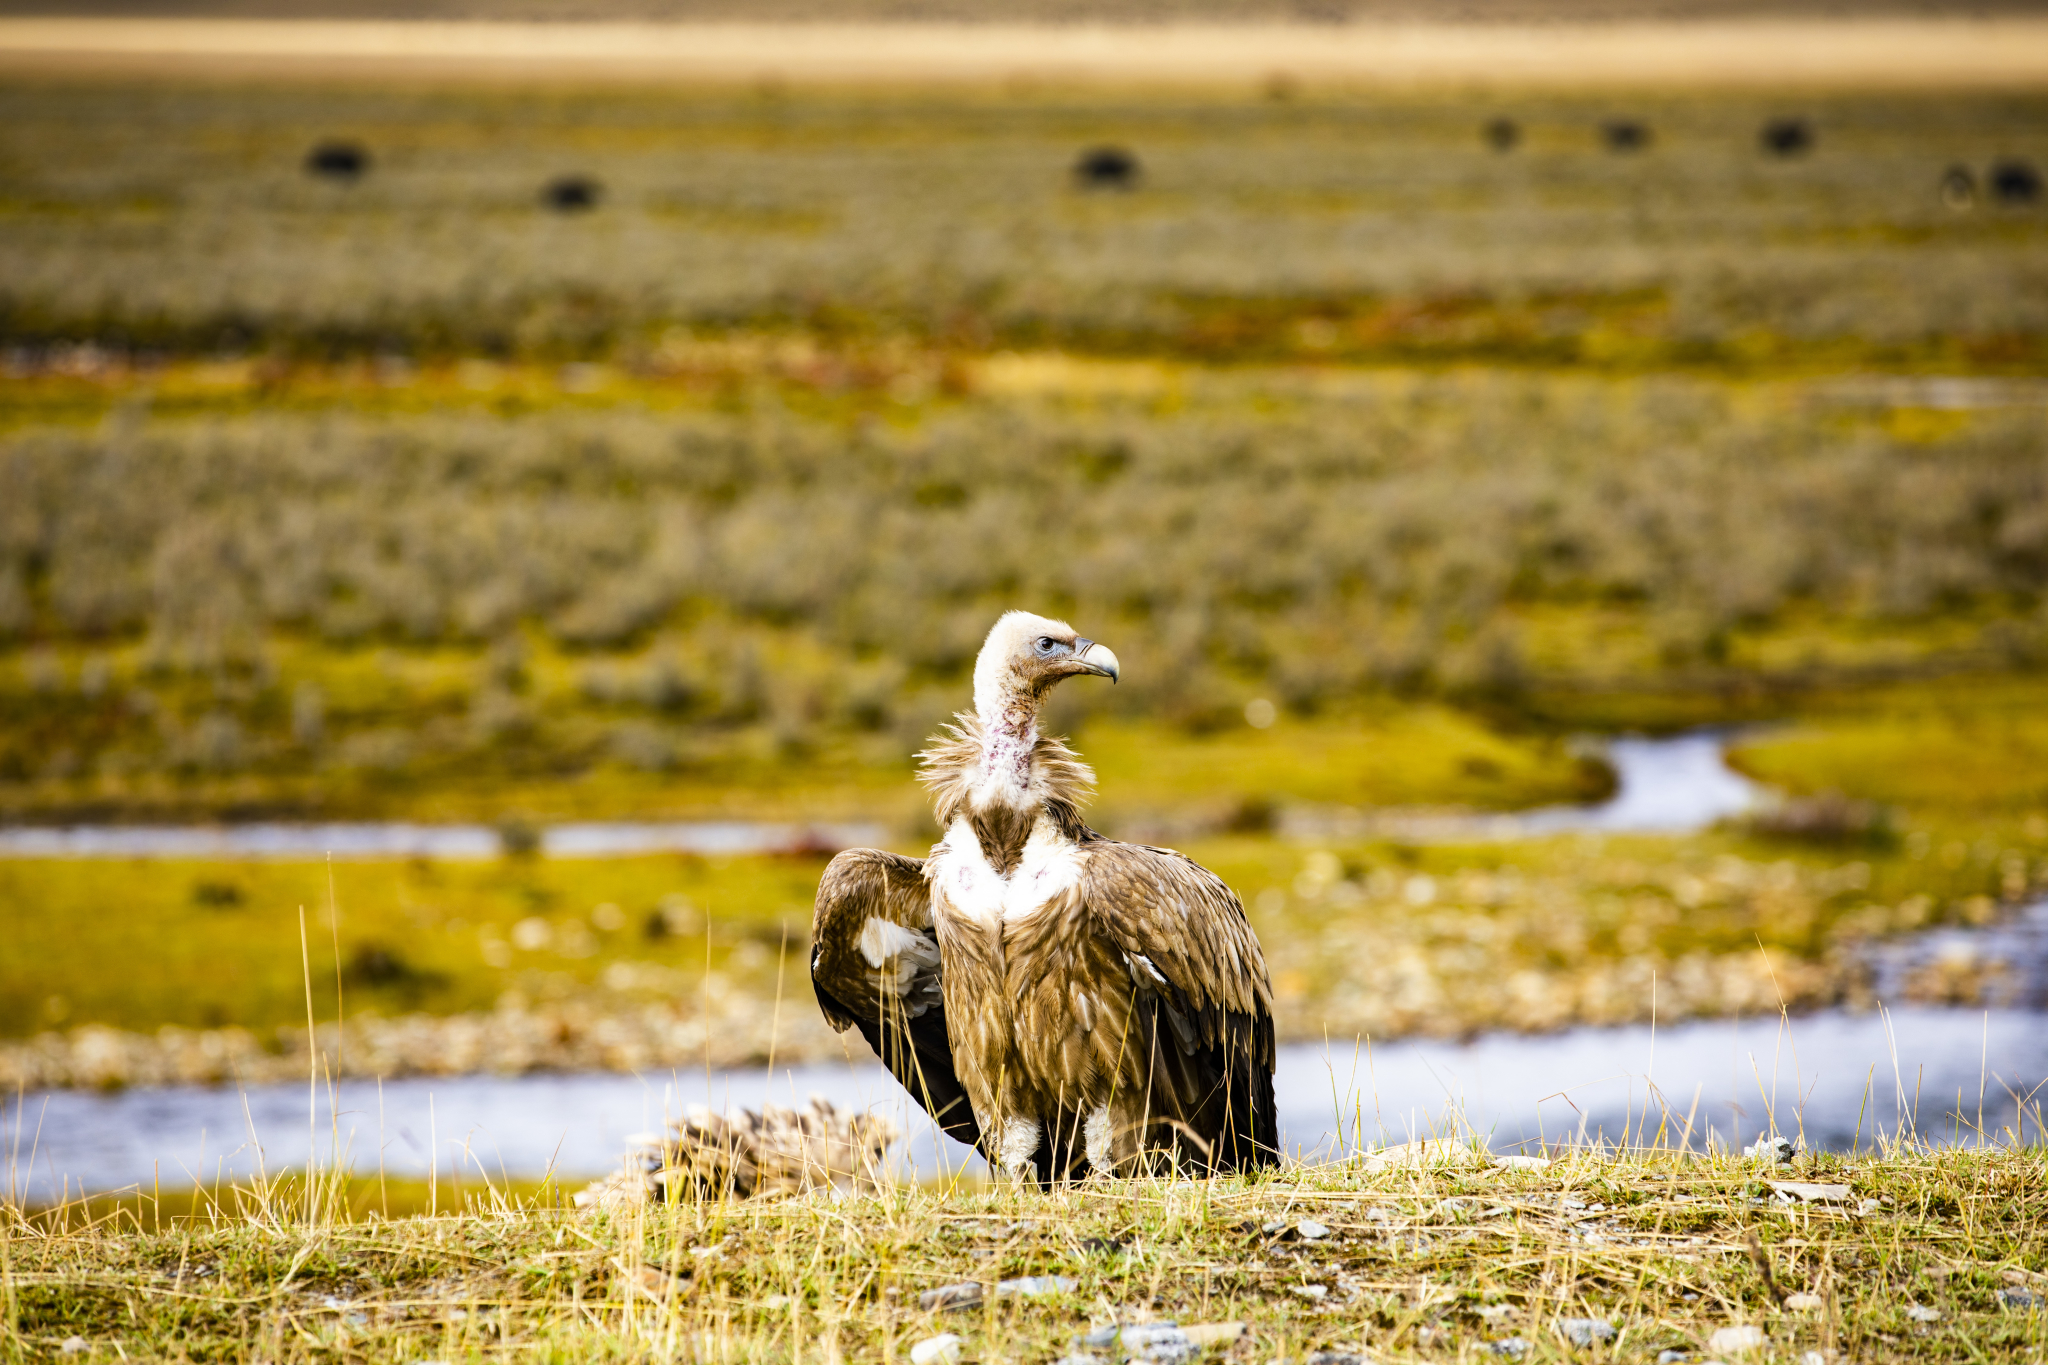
<point x="965" y="884"/>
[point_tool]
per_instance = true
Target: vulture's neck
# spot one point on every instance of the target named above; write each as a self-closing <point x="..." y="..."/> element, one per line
<point x="995" y="770"/>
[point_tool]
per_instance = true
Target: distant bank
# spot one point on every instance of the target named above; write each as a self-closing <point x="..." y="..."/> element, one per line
<point x="1801" y="52"/>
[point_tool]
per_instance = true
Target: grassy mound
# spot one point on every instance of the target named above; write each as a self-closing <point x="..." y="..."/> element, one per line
<point x="1905" y="1254"/>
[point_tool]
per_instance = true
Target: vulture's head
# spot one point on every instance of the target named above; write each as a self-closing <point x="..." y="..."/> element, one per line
<point x="1025" y="656"/>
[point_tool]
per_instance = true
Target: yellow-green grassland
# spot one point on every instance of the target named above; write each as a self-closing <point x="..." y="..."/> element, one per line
<point x="406" y="495"/>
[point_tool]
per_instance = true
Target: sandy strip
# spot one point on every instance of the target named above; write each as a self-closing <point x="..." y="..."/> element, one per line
<point x="1763" y="52"/>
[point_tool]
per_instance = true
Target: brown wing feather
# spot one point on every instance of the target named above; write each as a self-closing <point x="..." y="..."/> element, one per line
<point x="898" y="1006"/>
<point x="1198" y="970"/>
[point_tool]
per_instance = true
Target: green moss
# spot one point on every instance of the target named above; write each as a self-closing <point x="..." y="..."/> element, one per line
<point x="217" y="944"/>
<point x="1965" y="751"/>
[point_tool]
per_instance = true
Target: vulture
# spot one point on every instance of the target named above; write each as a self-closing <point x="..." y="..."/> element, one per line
<point x="1070" y="1004"/>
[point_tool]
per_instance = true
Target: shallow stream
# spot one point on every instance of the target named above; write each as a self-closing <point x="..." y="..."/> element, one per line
<point x="1834" y="1078"/>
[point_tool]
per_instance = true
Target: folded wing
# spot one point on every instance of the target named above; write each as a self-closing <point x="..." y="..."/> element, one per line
<point x="875" y="967"/>
<point x="1202" y="992"/>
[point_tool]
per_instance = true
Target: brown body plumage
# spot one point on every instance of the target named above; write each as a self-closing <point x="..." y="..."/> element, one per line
<point x="1072" y="1003"/>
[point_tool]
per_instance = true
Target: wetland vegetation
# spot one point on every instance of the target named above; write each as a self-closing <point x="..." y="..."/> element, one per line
<point x="1390" y="458"/>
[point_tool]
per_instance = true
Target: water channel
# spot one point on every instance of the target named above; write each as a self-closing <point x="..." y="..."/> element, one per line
<point x="1834" y="1079"/>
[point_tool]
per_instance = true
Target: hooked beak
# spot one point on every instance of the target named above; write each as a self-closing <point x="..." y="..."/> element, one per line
<point x="1096" y="659"/>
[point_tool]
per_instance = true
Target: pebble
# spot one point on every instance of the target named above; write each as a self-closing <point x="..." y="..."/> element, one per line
<point x="73" y="1345"/>
<point x="1774" y="1149"/>
<point x="1514" y="1347"/>
<point x="1921" y="1313"/>
<point x="1314" y="1293"/>
<point x="1159" y="1343"/>
<point x="950" y="1296"/>
<point x="1743" y="1338"/>
<point x="1583" y="1332"/>
<point x="1804" y="1303"/>
<point x="1789" y="1190"/>
<point x="1673" y="1357"/>
<point x="944" y="1348"/>
<point x="2022" y="1299"/>
<point x="1311" y="1230"/>
<point x="1516" y="1162"/>
<point x="1035" y="1286"/>
<point x="1339" y="1358"/>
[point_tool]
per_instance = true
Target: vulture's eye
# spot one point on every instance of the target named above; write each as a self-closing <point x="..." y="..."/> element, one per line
<point x="1046" y="644"/>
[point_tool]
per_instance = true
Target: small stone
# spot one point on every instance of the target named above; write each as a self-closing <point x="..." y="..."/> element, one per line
<point x="1036" y="1286"/>
<point x="950" y="1296"/>
<point x="1813" y="1358"/>
<point x="1517" y="1162"/>
<point x="1215" y="1333"/>
<point x="1314" y="1293"/>
<point x="1919" y="1312"/>
<point x="1426" y="1152"/>
<point x="2022" y="1299"/>
<point x="73" y="1346"/>
<point x="1079" y="1358"/>
<point x="1673" y="1357"/>
<point x="1513" y="1347"/>
<point x="1274" y="1228"/>
<point x="1867" y="1207"/>
<point x="943" y="1349"/>
<point x="1810" y="1193"/>
<point x="1099" y="1339"/>
<point x="1159" y="1343"/>
<point x="1736" y="1339"/>
<point x="1339" y="1358"/>
<point x="1778" y="1150"/>
<point x="1311" y="1230"/>
<point x="1583" y="1332"/>
<point x="1804" y="1303"/>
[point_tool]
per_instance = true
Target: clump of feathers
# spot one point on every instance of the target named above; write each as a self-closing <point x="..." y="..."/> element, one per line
<point x="707" y="1155"/>
<point x="952" y="766"/>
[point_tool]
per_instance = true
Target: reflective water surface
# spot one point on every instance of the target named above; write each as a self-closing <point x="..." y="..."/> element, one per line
<point x="1671" y="784"/>
<point x="1835" y="1079"/>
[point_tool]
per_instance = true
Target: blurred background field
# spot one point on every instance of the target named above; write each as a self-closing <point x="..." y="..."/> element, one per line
<point x="453" y="453"/>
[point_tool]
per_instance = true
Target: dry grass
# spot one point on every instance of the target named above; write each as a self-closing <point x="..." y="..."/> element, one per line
<point x="1932" y="1256"/>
